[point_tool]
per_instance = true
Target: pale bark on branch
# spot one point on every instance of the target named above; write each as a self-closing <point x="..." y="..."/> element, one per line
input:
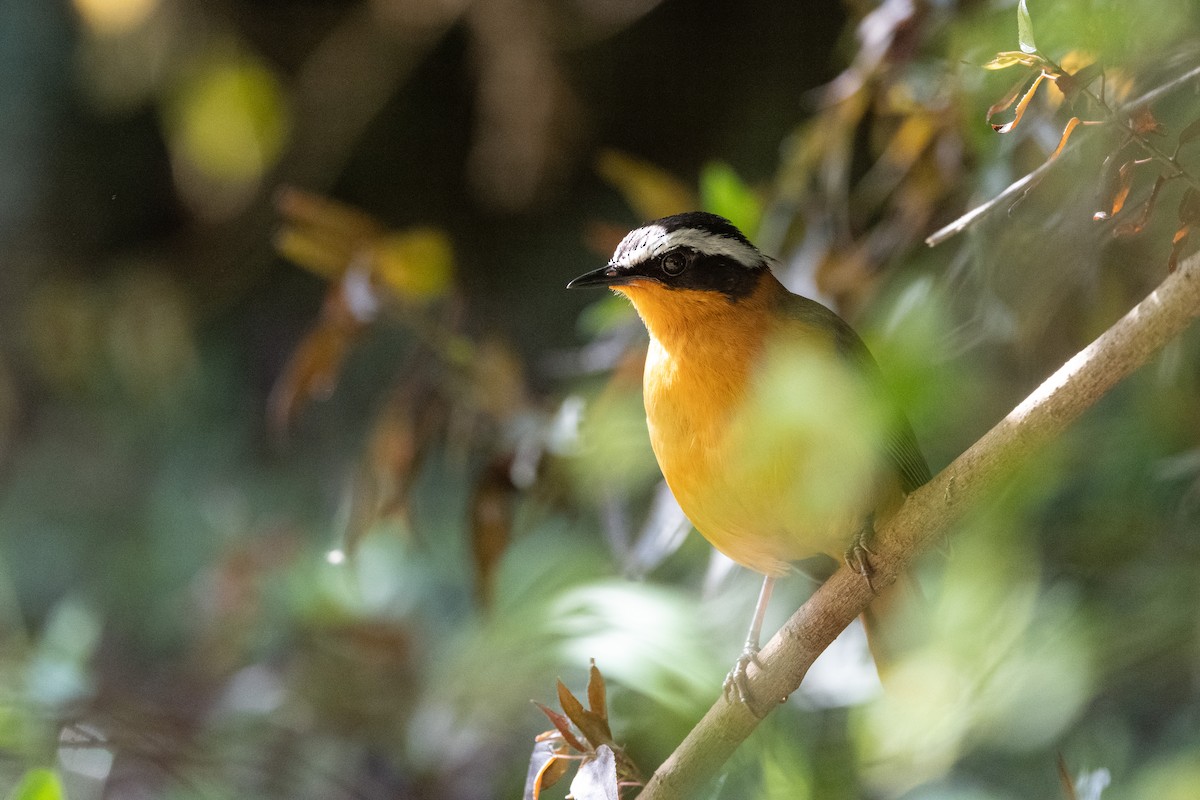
<point x="926" y="516"/>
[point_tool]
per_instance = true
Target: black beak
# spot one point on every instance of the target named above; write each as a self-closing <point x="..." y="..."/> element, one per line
<point x="605" y="276"/>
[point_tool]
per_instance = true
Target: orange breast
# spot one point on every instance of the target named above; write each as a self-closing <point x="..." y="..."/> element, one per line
<point x="742" y="472"/>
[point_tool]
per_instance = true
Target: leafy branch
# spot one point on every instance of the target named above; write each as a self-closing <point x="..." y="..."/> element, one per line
<point x="1134" y="118"/>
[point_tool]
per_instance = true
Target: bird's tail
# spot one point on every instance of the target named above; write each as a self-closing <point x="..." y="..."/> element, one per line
<point x="889" y="623"/>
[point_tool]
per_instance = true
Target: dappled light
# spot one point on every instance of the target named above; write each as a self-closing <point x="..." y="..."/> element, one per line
<point x="316" y="482"/>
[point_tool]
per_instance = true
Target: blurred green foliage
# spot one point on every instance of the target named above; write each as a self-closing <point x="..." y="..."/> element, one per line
<point x="308" y="497"/>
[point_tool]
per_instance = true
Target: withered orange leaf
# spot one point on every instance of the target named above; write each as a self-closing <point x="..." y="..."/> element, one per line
<point x="547" y="765"/>
<point x="1072" y="124"/>
<point x="320" y="234"/>
<point x="1124" y="184"/>
<point x="309" y="208"/>
<point x="550" y="774"/>
<point x="570" y="704"/>
<point x="1143" y="121"/>
<point x="328" y="238"/>
<point x="597" y="692"/>
<point x="563" y="725"/>
<point x="593" y="726"/>
<point x="1138" y="224"/>
<point x="1116" y="179"/>
<point x="312" y="370"/>
<point x="1007" y="100"/>
<point x="1189" y="216"/>
<point x="1178" y="241"/>
<point x="1021" y="106"/>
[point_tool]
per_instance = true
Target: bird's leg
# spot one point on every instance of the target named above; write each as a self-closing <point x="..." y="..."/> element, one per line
<point x="858" y="554"/>
<point x="736" y="679"/>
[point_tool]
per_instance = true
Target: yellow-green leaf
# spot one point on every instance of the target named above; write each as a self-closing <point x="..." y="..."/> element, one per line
<point x="651" y="192"/>
<point x="1012" y="58"/>
<point x="417" y="263"/>
<point x="228" y="120"/>
<point x="39" y="784"/>
<point x="723" y="192"/>
<point x="1025" y="29"/>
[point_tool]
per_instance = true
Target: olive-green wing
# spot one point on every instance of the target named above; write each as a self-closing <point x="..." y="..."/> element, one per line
<point x="900" y="444"/>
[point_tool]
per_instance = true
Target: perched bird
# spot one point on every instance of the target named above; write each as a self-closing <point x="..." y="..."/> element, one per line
<point x="768" y="416"/>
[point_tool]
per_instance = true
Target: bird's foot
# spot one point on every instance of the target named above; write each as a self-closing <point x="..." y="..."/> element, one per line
<point x="737" y="683"/>
<point x="858" y="556"/>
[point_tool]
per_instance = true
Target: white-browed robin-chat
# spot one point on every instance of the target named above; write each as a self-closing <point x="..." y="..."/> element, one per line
<point x="769" y="418"/>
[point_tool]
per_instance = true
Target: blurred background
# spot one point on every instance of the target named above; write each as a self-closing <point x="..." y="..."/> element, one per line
<point x="312" y="474"/>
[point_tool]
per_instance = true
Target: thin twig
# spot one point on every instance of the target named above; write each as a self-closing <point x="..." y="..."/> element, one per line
<point x="1031" y="179"/>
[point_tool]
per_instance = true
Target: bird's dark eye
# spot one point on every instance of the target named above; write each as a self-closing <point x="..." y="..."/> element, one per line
<point x="674" y="263"/>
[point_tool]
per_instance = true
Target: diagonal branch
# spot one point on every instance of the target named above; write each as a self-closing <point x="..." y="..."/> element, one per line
<point x="926" y="516"/>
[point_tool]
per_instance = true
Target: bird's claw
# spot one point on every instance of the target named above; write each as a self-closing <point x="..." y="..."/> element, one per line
<point x="737" y="683"/>
<point x="858" y="557"/>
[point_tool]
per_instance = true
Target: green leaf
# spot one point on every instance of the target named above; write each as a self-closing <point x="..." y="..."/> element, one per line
<point x="1192" y="131"/>
<point x="723" y="192"/>
<point x="1025" y="29"/>
<point x="39" y="784"/>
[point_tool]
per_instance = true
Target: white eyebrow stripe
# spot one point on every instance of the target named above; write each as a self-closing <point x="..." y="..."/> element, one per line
<point x="647" y="242"/>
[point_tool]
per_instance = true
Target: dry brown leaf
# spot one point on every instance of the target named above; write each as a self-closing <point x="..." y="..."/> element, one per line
<point x="311" y="372"/>
<point x="1021" y="106"/>
<point x="1189" y="217"/>
<point x="491" y="523"/>
<point x="563" y="726"/>
<point x="320" y="234"/>
<point x="1124" y="183"/>
<point x="1178" y="241"/>
<point x="1138" y="224"/>
<point x="1144" y="122"/>
<point x="1007" y="100"/>
<point x="411" y="420"/>
<point x="593" y="726"/>
<point x="550" y="773"/>
<point x="1116" y="181"/>
<point x="1072" y="124"/>
<point x="597" y="692"/>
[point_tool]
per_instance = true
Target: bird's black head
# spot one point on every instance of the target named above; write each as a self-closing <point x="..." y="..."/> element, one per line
<point x="695" y="250"/>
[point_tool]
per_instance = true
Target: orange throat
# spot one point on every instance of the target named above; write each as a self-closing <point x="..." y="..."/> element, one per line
<point x="698" y="372"/>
